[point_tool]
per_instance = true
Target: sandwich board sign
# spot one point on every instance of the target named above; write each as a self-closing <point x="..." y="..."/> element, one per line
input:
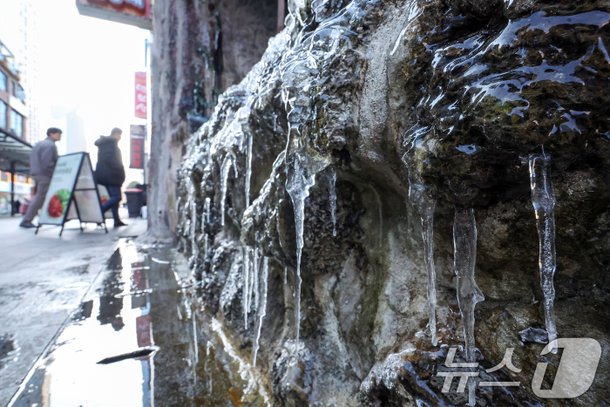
<point x="72" y="194"/>
<point x="104" y="196"/>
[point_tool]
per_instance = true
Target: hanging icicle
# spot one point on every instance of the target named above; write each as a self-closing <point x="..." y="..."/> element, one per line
<point x="227" y="164"/>
<point x="193" y="231"/>
<point x="468" y="293"/>
<point x="246" y="287"/>
<point x="254" y="292"/>
<point x="332" y="198"/>
<point x="248" y="170"/>
<point x="250" y="280"/>
<point x="426" y="205"/>
<point x="300" y="178"/>
<point x="262" y="308"/>
<point x="543" y="201"/>
<point x="206" y="220"/>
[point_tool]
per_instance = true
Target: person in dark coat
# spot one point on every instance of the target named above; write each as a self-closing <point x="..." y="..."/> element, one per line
<point x="109" y="171"/>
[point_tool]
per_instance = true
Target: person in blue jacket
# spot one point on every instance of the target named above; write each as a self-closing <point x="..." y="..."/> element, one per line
<point x="110" y="172"/>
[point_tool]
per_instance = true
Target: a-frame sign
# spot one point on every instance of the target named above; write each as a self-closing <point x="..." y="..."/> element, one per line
<point x="72" y="194"/>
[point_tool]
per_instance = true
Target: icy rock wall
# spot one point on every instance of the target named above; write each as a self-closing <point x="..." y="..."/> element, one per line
<point x="320" y="203"/>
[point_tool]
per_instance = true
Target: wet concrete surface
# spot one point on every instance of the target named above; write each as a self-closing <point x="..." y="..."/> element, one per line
<point x="142" y="320"/>
<point x="42" y="280"/>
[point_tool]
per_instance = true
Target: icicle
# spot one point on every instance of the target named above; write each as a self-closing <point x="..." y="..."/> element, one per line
<point x="250" y="279"/>
<point x="425" y="205"/>
<point x="332" y="198"/>
<point x="207" y="368"/>
<point x="262" y="308"/>
<point x="195" y="345"/>
<point x="255" y="289"/>
<point x="543" y="201"/>
<point x="208" y="211"/>
<point x="251" y="270"/>
<point x="246" y="265"/>
<point x="227" y="164"/>
<point x="193" y="232"/>
<point x="205" y="219"/>
<point x="195" y="340"/>
<point x="248" y="170"/>
<point x="298" y="183"/>
<point x="468" y="293"/>
<point x="427" y="218"/>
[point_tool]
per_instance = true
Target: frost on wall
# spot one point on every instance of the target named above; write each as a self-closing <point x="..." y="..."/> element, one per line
<point x="295" y="207"/>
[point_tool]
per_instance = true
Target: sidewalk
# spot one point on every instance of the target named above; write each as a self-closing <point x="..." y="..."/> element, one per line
<point x="43" y="279"/>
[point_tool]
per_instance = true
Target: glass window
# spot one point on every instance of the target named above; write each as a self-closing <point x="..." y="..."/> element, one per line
<point x="3" y="82"/>
<point x="19" y="93"/>
<point x="3" y="175"/>
<point x="2" y="114"/>
<point x="17" y="124"/>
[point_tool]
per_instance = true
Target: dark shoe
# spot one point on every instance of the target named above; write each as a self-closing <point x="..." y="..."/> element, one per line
<point x="27" y="225"/>
<point x="118" y="223"/>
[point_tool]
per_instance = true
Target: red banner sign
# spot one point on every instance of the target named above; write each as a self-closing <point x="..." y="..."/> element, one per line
<point x="133" y="12"/>
<point x="140" y="92"/>
<point x="137" y="137"/>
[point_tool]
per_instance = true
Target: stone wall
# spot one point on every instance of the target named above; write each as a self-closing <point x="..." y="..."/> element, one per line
<point x="378" y="143"/>
<point x="199" y="49"/>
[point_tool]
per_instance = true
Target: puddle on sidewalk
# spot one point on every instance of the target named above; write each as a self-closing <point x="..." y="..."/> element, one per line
<point x="135" y="341"/>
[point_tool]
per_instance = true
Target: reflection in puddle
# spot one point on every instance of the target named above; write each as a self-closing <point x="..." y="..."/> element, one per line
<point x="7" y="348"/>
<point x="141" y="323"/>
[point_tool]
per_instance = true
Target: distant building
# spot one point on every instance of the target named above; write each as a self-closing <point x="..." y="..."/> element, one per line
<point x="19" y="32"/>
<point x="13" y="111"/>
<point x="71" y="122"/>
<point x="15" y="185"/>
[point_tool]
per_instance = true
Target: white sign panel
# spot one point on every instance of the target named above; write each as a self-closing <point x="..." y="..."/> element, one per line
<point x="72" y="187"/>
<point x="60" y="190"/>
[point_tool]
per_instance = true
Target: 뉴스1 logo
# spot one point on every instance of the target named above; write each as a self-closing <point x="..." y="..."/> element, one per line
<point x="575" y="373"/>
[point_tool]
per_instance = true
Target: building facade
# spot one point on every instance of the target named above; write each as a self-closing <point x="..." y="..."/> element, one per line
<point x="13" y="111"/>
<point x="15" y="184"/>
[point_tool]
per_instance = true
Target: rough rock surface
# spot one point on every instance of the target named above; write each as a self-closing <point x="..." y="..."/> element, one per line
<point x="200" y="49"/>
<point x="448" y="98"/>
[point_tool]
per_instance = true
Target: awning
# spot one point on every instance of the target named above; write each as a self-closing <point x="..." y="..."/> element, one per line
<point x="14" y="150"/>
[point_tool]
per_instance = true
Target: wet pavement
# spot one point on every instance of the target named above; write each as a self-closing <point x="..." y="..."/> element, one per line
<point x="139" y="338"/>
<point x="42" y="281"/>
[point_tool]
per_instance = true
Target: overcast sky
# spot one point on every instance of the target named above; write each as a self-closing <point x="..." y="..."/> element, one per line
<point x="84" y="64"/>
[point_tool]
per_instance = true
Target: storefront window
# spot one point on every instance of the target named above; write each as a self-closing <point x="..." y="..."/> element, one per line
<point x="17" y="124"/>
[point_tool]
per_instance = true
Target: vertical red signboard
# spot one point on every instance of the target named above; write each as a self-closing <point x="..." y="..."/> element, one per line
<point x="137" y="137"/>
<point x="140" y="101"/>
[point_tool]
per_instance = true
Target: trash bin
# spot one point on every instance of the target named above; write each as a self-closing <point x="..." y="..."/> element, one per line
<point x="135" y="201"/>
<point x="143" y="187"/>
